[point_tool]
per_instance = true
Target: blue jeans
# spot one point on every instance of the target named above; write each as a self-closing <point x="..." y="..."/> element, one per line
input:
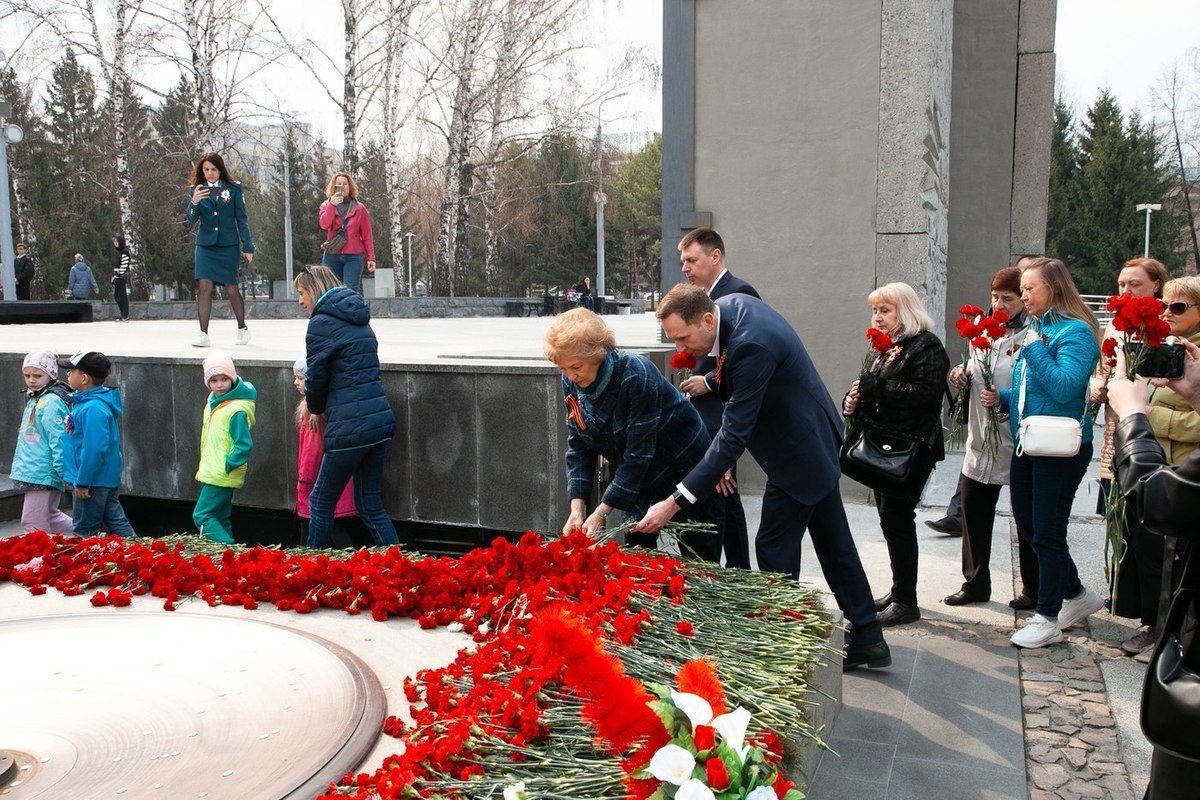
<point x="101" y="513"/>
<point x="348" y="268"/>
<point x="365" y="465"/>
<point x="1042" y="489"/>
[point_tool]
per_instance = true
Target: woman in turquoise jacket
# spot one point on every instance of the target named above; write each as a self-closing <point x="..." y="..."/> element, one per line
<point x="1055" y="361"/>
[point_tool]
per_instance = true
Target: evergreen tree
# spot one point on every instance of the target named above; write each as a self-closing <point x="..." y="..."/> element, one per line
<point x="77" y="206"/>
<point x="1093" y="225"/>
<point x="634" y="239"/>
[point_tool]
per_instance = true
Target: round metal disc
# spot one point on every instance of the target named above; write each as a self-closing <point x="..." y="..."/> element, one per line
<point x="142" y="705"/>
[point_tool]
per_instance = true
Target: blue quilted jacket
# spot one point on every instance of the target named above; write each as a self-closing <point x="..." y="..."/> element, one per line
<point x="343" y="372"/>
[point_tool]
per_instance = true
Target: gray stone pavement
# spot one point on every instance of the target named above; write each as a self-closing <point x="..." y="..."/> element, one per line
<point x="963" y="714"/>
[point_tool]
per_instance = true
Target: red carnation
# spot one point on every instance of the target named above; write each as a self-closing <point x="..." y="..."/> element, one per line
<point x="981" y="343"/>
<point x="1157" y="330"/>
<point x="685" y="628"/>
<point x="966" y="328"/>
<point x="1000" y="317"/>
<point x="699" y="677"/>
<point x="718" y="776"/>
<point x="1109" y="347"/>
<point x="782" y="785"/>
<point x="971" y="311"/>
<point x="880" y="340"/>
<point x="683" y="360"/>
<point x="705" y="737"/>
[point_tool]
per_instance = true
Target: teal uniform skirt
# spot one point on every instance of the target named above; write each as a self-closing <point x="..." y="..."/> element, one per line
<point x="218" y="263"/>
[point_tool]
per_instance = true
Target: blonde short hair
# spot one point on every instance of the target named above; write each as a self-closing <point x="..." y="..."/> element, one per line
<point x="911" y="316"/>
<point x="579" y="333"/>
<point x="1188" y="287"/>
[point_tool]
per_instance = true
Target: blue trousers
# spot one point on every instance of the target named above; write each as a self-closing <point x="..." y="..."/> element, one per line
<point x="101" y="513"/>
<point x="780" y="532"/>
<point x="348" y="268"/>
<point x="365" y="465"/>
<point x="1043" y="488"/>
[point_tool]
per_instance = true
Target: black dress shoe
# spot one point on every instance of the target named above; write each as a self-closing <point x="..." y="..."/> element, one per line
<point x="963" y="598"/>
<point x="899" y="614"/>
<point x="874" y="655"/>
<point x="947" y="525"/>
<point x="1022" y="602"/>
<point x="883" y="602"/>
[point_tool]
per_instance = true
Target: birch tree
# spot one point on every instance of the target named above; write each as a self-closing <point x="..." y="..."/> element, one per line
<point x="1179" y="101"/>
<point x="108" y="32"/>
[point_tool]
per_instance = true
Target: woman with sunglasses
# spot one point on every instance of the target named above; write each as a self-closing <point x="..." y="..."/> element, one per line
<point x="1139" y="575"/>
<point x="347" y="226"/>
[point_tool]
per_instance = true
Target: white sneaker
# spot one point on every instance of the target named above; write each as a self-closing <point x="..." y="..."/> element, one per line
<point x="1038" y="632"/>
<point x="201" y="341"/>
<point x="243" y="337"/>
<point x="1077" y="609"/>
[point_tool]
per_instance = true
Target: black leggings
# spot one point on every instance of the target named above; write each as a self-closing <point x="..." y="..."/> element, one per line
<point x="121" y="295"/>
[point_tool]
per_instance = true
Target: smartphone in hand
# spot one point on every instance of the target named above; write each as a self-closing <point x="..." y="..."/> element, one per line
<point x="1164" y="361"/>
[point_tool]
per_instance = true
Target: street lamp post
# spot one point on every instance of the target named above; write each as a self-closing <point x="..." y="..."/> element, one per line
<point x="1149" y="208"/>
<point x="410" y="236"/>
<point x="9" y="132"/>
<point x="600" y="197"/>
<point x="287" y="222"/>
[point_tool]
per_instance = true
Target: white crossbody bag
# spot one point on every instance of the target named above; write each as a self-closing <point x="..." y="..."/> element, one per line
<point x="1046" y="435"/>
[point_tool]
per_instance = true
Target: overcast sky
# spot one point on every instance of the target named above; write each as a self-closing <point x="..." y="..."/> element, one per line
<point x="1123" y="45"/>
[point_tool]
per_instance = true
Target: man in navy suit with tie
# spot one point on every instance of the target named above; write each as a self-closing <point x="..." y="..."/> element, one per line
<point x="702" y="256"/>
<point x="777" y="408"/>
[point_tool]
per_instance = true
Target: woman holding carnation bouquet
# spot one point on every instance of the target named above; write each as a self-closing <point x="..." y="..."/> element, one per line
<point x="900" y="389"/>
<point x="1138" y="557"/>
<point x="989" y="442"/>
<point x="1050" y="379"/>
<point x="621" y="407"/>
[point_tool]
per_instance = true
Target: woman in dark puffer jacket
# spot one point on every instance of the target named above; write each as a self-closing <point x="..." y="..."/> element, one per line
<point x="345" y="385"/>
<point x="1166" y="499"/>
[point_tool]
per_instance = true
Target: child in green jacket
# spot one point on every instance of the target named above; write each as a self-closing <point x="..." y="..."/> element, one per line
<point x="225" y="446"/>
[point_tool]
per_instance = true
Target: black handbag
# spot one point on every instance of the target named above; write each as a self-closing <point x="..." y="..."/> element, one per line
<point x="1171" y="693"/>
<point x="880" y="458"/>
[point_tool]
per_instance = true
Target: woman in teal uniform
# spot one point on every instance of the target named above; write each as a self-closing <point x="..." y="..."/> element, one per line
<point x="222" y="238"/>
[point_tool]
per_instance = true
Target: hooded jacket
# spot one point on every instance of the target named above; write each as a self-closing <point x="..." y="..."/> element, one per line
<point x="225" y="441"/>
<point x="81" y="282"/>
<point x="344" y="382"/>
<point x="38" y="458"/>
<point x="93" y="453"/>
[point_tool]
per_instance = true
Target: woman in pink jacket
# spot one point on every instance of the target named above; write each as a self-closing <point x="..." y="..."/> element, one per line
<point x="310" y="451"/>
<point x="347" y="226"/>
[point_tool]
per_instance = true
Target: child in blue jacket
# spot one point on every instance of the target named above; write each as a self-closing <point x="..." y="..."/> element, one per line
<point x="92" y="459"/>
<point x="37" y="467"/>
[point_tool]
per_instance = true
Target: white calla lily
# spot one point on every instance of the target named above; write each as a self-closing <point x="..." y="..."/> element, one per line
<point x="732" y="727"/>
<point x="696" y="790"/>
<point x="696" y="707"/>
<point x="762" y="793"/>
<point x="672" y="764"/>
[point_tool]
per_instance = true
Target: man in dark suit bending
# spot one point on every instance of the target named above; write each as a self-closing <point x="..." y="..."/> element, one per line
<point x="777" y="408"/>
<point x="702" y="259"/>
